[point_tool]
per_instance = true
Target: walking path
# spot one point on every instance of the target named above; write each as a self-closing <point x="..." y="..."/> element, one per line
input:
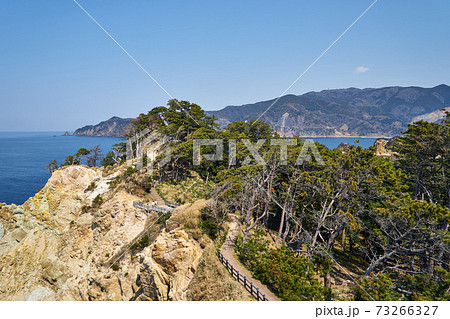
<point x="156" y="197"/>
<point x="227" y="251"/>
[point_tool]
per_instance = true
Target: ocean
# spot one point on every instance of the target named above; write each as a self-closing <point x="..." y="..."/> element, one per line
<point x="25" y="155"/>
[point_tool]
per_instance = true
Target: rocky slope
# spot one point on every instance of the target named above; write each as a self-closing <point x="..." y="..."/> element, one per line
<point x="54" y="247"/>
<point x="114" y="127"/>
<point x="345" y="112"/>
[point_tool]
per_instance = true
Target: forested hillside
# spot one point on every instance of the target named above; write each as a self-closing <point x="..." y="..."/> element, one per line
<point x="317" y="217"/>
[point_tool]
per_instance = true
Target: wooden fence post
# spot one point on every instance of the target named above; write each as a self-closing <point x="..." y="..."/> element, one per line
<point x="235" y="274"/>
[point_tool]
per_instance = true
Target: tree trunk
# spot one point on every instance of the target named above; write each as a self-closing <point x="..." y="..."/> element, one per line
<point x="280" y="229"/>
<point x="327" y="284"/>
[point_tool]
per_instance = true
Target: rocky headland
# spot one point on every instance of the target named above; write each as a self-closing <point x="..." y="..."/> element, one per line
<point x="114" y="127"/>
<point x="60" y="245"/>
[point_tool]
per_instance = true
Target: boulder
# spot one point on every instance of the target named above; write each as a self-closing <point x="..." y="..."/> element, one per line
<point x="168" y="266"/>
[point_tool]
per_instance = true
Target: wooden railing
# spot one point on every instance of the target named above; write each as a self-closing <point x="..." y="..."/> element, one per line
<point x="172" y="204"/>
<point x="155" y="208"/>
<point x="248" y="285"/>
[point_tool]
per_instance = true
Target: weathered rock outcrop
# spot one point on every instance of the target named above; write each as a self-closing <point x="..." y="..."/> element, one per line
<point x="52" y="249"/>
<point x="168" y="266"/>
<point x="57" y="247"/>
<point x="381" y="145"/>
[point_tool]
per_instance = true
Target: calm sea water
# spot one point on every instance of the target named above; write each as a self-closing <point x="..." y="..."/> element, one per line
<point x="25" y="155"/>
<point x="333" y="142"/>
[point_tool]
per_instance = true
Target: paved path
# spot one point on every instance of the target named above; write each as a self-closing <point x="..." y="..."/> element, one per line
<point x="228" y="252"/>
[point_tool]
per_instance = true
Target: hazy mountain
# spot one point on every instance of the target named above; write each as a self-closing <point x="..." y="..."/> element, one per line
<point x="114" y="127"/>
<point x="344" y="112"/>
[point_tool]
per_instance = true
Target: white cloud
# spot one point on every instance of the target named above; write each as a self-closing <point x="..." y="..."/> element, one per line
<point x="360" y="69"/>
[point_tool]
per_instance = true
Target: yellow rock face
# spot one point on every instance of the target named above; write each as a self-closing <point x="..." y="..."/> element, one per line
<point x="169" y="266"/>
<point x="52" y="249"/>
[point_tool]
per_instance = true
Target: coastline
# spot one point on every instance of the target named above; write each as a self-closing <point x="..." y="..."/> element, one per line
<point x="334" y="136"/>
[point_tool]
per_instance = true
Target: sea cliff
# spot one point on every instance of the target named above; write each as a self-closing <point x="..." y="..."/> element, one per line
<point x="63" y="245"/>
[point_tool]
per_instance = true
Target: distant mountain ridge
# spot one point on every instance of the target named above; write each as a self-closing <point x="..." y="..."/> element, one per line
<point x="344" y="112"/>
<point x="114" y="127"/>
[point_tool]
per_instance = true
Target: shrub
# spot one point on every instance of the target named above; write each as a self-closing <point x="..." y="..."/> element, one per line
<point x="85" y="208"/>
<point x="91" y="187"/>
<point x="113" y="184"/>
<point x="130" y="171"/>
<point x="115" y="267"/>
<point x="146" y="184"/>
<point x="209" y="225"/>
<point x="290" y="277"/>
<point x="98" y="201"/>
<point x="141" y="244"/>
<point x="108" y="160"/>
<point x="417" y="287"/>
<point x="377" y="288"/>
<point x="212" y="219"/>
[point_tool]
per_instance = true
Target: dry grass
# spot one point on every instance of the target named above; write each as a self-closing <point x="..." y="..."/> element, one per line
<point x="213" y="282"/>
<point x="189" y="215"/>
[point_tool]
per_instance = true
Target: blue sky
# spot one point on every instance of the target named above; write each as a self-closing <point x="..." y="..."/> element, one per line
<point x="59" y="71"/>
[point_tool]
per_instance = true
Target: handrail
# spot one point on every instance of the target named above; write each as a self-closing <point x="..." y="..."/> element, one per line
<point x="158" y="209"/>
<point x="172" y="204"/>
<point x="248" y="285"/>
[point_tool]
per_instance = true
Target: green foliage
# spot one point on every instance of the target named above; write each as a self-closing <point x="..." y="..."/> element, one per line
<point x="91" y="187"/>
<point x="426" y="288"/>
<point x="178" y="119"/>
<point x="377" y="288"/>
<point x="147" y="183"/>
<point x="52" y="166"/>
<point x="85" y="209"/>
<point x="141" y="244"/>
<point x="323" y="264"/>
<point x="289" y="277"/>
<point x="417" y="287"/>
<point x="254" y="248"/>
<point x="116" y="156"/>
<point x="130" y="171"/>
<point x="79" y="155"/>
<point x="98" y="201"/>
<point x="71" y="160"/>
<point x="115" y="267"/>
<point x="292" y="278"/>
<point x="116" y="181"/>
<point x="209" y="224"/>
<point x="108" y="160"/>
<point x="424" y="156"/>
